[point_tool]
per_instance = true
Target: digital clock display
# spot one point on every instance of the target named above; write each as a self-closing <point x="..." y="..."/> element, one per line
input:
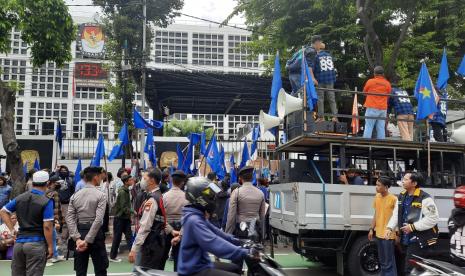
<point x="86" y="70"/>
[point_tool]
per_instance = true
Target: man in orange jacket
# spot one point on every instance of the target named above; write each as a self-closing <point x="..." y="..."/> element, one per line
<point x="376" y="106"/>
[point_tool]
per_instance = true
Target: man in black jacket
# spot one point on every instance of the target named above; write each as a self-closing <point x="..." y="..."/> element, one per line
<point x="67" y="188"/>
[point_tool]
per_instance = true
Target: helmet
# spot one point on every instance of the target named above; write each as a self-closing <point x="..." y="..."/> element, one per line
<point x="200" y="192"/>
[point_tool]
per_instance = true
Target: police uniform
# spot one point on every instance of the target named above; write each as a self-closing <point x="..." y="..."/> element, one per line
<point x="174" y="200"/>
<point x="32" y="209"/>
<point x="85" y="218"/>
<point x="150" y="237"/>
<point x="245" y="204"/>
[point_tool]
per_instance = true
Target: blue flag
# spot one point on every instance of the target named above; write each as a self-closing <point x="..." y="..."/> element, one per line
<point x="306" y="79"/>
<point x="77" y="173"/>
<point x="461" y="69"/>
<point x="232" y="171"/>
<point x="276" y="85"/>
<point x="150" y="147"/>
<point x="59" y="135"/>
<point x="245" y="155"/>
<point x="223" y="171"/>
<point x="141" y="123"/>
<point x="25" y="168"/>
<point x="36" y="165"/>
<point x="99" y="152"/>
<point x="180" y="156"/>
<point x="255" y="137"/>
<point x="426" y="95"/>
<point x="118" y="148"/>
<point x="203" y="142"/>
<point x="213" y="158"/>
<point x="254" y="178"/>
<point x="443" y="72"/>
<point x="194" y="139"/>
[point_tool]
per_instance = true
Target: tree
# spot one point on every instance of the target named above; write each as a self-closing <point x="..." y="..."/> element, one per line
<point x="47" y="27"/>
<point x="185" y="128"/>
<point x="361" y="33"/>
<point x="123" y="29"/>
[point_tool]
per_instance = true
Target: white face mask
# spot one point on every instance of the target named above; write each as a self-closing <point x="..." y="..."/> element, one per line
<point x="143" y="184"/>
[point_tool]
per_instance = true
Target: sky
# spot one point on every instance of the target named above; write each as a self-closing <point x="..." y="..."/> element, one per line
<point x="216" y="10"/>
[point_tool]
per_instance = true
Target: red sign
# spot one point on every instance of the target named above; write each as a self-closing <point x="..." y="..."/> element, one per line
<point x="86" y="70"/>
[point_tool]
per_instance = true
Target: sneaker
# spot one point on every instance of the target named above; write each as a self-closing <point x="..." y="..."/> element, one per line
<point x="117" y="260"/>
<point x="57" y="259"/>
<point x="48" y="264"/>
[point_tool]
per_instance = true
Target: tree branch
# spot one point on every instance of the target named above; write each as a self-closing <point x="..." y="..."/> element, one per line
<point x="372" y="37"/>
<point x="367" y="53"/>
<point x="395" y="52"/>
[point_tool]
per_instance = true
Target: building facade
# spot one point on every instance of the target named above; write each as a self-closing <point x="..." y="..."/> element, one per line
<point x="74" y="94"/>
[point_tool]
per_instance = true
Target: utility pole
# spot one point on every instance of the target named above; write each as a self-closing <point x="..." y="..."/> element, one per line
<point x="142" y="109"/>
<point x="124" y="67"/>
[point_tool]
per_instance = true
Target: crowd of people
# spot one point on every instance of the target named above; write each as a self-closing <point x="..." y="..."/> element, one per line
<point x="384" y="97"/>
<point x="161" y="214"/>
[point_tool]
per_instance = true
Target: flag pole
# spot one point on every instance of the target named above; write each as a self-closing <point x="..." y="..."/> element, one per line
<point x="203" y="156"/>
<point x="304" y="90"/>
<point x="428" y="141"/>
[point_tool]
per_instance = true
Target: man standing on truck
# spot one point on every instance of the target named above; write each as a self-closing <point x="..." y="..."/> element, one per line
<point x="384" y="205"/>
<point x="416" y="216"/>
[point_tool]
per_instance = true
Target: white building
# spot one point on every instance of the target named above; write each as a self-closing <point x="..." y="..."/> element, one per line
<point x="49" y="93"/>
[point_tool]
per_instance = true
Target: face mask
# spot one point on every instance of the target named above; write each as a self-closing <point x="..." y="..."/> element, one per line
<point x="143" y="184"/>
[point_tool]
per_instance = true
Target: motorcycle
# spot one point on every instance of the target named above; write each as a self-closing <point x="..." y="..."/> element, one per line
<point x="429" y="267"/>
<point x="259" y="265"/>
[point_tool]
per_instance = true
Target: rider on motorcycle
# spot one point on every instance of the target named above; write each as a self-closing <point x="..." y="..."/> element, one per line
<point x="200" y="237"/>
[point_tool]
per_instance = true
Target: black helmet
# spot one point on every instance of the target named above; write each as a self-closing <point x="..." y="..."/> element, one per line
<point x="200" y="192"/>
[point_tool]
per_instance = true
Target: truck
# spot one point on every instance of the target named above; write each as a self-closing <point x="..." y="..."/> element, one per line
<point x="329" y="222"/>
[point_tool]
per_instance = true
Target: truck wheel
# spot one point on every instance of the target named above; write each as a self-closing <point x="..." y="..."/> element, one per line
<point x="363" y="258"/>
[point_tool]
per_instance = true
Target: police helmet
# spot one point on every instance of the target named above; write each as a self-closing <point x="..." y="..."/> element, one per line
<point x="201" y="193"/>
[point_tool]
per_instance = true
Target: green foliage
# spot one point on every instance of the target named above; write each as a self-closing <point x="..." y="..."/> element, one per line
<point x="46" y="26"/>
<point x="122" y="26"/>
<point x="186" y="127"/>
<point x="113" y="108"/>
<point x="285" y="26"/>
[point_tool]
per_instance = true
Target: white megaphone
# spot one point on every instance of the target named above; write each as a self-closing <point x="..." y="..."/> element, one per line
<point x="267" y="122"/>
<point x="458" y="135"/>
<point x="288" y="104"/>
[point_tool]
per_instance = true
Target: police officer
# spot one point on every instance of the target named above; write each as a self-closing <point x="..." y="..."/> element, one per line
<point x="245" y="204"/>
<point x="174" y="200"/>
<point x="149" y="243"/>
<point x="34" y="241"/>
<point x="416" y="216"/>
<point x="85" y="217"/>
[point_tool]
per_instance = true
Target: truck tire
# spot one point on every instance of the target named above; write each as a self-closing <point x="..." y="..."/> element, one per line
<point x="362" y="259"/>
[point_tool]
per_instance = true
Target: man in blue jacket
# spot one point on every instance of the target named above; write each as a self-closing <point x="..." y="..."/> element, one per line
<point x="200" y="237"/>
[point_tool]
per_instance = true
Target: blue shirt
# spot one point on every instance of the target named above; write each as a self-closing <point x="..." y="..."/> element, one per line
<point x="47" y="216"/>
<point x="81" y="184"/>
<point x="405" y="238"/>
<point x="5" y="191"/>
<point x="323" y="68"/>
<point x="401" y="105"/>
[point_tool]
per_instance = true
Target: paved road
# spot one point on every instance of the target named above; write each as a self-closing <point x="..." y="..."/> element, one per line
<point x="293" y="264"/>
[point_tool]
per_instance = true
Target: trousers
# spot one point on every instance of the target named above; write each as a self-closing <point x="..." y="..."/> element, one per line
<point x="96" y="251"/>
<point x="120" y="226"/>
<point x="370" y="124"/>
<point x="386" y="257"/>
<point x="29" y="259"/>
<point x="330" y="95"/>
<point x="405" y="128"/>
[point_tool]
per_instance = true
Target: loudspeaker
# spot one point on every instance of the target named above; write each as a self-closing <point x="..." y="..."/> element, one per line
<point x="324" y="126"/>
<point x="288" y="104"/>
<point x="296" y="170"/>
<point x="340" y="128"/>
<point x="295" y="122"/>
<point x="267" y="122"/>
<point x="458" y="135"/>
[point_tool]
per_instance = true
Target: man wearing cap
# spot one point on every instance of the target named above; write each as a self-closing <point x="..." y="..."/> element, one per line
<point x="52" y="193"/>
<point x="34" y="241"/>
<point x="245" y="204"/>
<point x="85" y="218"/>
<point x="325" y="75"/>
<point x="149" y="243"/>
<point x="174" y="200"/>
<point x="376" y="105"/>
<point x="122" y="219"/>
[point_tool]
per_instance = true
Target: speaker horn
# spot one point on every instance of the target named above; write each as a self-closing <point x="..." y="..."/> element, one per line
<point x="287" y="104"/>
<point x="458" y="135"/>
<point x="267" y="122"/>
